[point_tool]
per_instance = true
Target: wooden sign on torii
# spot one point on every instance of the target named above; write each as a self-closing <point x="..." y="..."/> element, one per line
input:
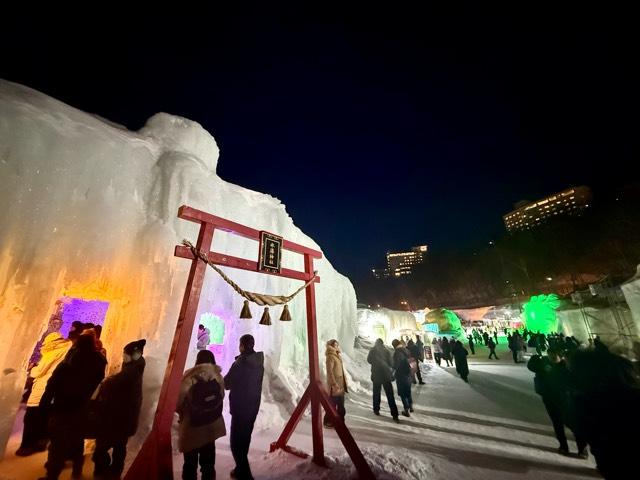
<point x="155" y="460"/>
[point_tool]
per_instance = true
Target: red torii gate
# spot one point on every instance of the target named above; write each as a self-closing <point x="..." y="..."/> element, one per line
<point x="155" y="459"/>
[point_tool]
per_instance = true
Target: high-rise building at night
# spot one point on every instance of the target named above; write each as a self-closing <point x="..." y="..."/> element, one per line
<point x="528" y="215"/>
<point x="401" y="263"/>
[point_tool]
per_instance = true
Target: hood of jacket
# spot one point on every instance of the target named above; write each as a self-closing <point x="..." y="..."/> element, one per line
<point x="331" y="350"/>
<point x="251" y="359"/>
<point x="204" y="371"/>
<point x="54" y="342"/>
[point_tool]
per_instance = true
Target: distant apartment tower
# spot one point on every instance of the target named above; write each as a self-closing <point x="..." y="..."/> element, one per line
<point x="528" y="215"/>
<point x="402" y="263"/>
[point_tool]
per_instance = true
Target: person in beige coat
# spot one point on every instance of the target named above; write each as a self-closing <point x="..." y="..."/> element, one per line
<point x="34" y="434"/>
<point x="200" y="411"/>
<point x="336" y="380"/>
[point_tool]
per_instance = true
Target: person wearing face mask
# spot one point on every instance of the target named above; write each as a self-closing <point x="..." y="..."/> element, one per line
<point x="117" y="409"/>
<point x="336" y="380"/>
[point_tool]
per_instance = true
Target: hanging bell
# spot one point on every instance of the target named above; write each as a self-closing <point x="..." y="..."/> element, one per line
<point x="266" y="318"/>
<point x="286" y="316"/>
<point x="246" y="311"/>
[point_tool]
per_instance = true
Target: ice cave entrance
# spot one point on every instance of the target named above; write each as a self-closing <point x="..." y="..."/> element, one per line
<point x="216" y="328"/>
<point x="379" y="331"/>
<point x="69" y="309"/>
<point x="86" y="311"/>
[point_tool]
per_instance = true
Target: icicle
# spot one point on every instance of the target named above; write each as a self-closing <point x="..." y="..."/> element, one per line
<point x="246" y="311"/>
<point x="266" y="318"/>
<point x="286" y="316"/>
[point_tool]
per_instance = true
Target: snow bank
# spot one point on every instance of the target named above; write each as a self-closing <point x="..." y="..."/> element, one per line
<point x="89" y="211"/>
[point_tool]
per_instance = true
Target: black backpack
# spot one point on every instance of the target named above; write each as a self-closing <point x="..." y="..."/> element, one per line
<point x="204" y="402"/>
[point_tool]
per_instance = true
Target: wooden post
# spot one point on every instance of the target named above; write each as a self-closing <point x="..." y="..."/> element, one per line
<point x="314" y="368"/>
<point x="155" y="459"/>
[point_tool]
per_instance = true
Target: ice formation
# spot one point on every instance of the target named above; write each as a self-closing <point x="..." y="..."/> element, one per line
<point x="89" y="212"/>
<point x="386" y="324"/>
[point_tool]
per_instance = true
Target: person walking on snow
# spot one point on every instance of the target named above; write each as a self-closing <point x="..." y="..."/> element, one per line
<point x="381" y="376"/>
<point x="552" y="384"/>
<point x="495" y="336"/>
<point x="462" y="367"/>
<point x="336" y="380"/>
<point x="419" y="352"/>
<point x="436" y="346"/>
<point x="446" y="351"/>
<point x="471" y="345"/>
<point x="244" y="382"/>
<point x="403" y="376"/>
<point x="414" y="353"/>
<point x="492" y="349"/>
<point x="200" y="412"/>
<point x="117" y="409"/>
<point x="203" y="338"/>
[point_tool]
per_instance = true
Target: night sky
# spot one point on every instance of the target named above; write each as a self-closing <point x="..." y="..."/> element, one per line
<point x="390" y="128"/>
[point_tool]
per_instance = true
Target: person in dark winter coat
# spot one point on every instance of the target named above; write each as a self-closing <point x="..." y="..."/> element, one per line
<point x="492" y="349"/>
<point x="605" y="394"/>
<point x="485" y="337"/>
<point x="244" y="380"/>
<point x="382" y="376"/>
<point x="200" y="410"/>
<point x="471" y="345"/>
<point x="446" y="351"/>
<point x="67" y="397"/>
<point x="117" y="408"/>
<point x="419" y="355"/>
<point x="403" y="376"/>
<point x="515" y="346"/>
<point x="414" y="352"/>
<point x="495" y="336"/>
<point x="462" y="367"/>
<point x="552" y="384"/>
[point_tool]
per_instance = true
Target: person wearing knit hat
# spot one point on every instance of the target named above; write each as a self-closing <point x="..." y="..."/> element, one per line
<point x="66" y="397"/>
<point x="117" y="410"/>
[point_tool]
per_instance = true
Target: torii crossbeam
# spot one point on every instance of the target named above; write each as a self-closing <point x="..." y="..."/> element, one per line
<point x="155" y="460"/>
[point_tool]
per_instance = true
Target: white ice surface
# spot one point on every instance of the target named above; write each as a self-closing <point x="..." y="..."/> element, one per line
<point x="89" y="210"/>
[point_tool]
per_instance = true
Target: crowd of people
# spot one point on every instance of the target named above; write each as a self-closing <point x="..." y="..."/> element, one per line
<point x="70" y="400"/>
<point x="595" y="394"/>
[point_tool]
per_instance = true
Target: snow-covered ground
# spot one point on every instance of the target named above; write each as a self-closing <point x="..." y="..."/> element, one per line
<point x="495" y="428"/>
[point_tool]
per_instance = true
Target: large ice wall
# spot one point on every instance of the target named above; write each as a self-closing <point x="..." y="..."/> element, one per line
<point x="88" y="210"/>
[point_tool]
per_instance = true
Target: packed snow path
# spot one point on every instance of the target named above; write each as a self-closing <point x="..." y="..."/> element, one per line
<point x="495" y="428"/>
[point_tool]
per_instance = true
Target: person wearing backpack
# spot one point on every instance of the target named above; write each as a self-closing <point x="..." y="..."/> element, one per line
<point x="244" y="382"/>
<point x="200" y="416"/>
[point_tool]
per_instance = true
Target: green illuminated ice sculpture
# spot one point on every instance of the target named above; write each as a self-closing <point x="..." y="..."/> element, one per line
<point x="540" y="313"/>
